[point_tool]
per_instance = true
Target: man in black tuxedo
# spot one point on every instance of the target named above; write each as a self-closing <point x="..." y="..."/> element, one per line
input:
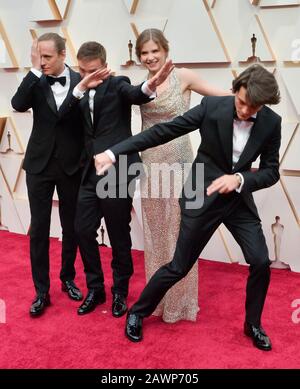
<point x="53" y="159"/>
<point x="106" y="111"/>
<point x="231" y="141"/>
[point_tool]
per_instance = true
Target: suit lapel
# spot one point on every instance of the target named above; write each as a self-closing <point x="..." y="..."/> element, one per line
<point x="225" y="128"/>
<point x="73" y="82"/>
<point x="100" y="92"/>
<point x="84" y="104"/>
<point x="49" y="94"/>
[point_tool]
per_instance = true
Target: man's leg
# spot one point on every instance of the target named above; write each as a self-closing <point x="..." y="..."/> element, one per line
<point x="67" y="190"/>
<point x="246" y="228"/>
<point x="87" y="222"/>
<point x="194" y="234"/>
<point x="117" y="215"/>
<point x="40" y="192"/>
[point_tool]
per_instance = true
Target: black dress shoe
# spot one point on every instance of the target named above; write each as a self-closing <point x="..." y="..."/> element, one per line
<point x="134" y="328"/>
<point x="119" y="306"/>
<point x="39" y="304"/>
<point x="259" y="337"/>
<point x="72" y="289"/>
<point x="94" y="297"/>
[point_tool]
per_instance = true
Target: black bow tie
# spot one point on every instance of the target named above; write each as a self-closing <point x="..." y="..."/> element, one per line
<point x="51" y="80"/>
<point x="250" y="119"/>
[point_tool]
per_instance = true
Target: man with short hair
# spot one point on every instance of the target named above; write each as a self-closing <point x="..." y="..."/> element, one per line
<point x="52" y="160"/>
<point x="235" y="131"/>
<point x="106" y="110"/>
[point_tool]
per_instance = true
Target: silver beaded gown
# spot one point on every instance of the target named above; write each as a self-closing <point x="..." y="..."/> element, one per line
<point x="161" y="216"/>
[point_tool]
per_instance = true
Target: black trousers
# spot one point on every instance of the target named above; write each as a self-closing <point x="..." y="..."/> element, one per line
<point x="117" y="215"/>
<point x="194" y="234"/>
<point x="40" y="189"/>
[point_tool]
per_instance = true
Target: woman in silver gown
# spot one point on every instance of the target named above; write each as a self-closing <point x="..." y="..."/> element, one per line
<point x="161" y="216"/>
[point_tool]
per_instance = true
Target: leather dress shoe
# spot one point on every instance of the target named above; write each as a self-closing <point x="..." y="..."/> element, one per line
<point x="259" y="337"/>
<point x="93" y="298"/>
<point x="39" y="304"/>
<point x="134" y="328"/>
<point x="72" y="289"/>
<point x="119" y="306"/>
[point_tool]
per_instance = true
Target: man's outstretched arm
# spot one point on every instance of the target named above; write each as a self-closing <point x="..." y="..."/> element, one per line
<point x="154" y="136"/>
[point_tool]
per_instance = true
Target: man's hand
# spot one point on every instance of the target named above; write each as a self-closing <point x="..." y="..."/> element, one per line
<point x="161" y="75"/>
<point x="224" y="184"/>
<point x="92" y="80"/>
<point x="102" y="163"/>
<point x="35" y="55"/>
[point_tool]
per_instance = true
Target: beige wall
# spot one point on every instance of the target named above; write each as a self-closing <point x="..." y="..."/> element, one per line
<point x="212" y="37"/>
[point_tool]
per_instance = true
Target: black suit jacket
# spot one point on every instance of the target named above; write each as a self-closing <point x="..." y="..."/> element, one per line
<point x="112" y="117"/>
<point x="51" y="128"/>
<point x="214" y="118"/>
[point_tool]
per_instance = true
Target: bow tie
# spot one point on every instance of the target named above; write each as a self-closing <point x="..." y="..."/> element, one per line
<point x="250" y="119"/>
<point x="51" y="80"/>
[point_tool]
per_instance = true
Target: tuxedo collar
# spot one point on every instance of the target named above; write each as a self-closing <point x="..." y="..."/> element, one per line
<point x="74" y="79"/>
<point x="48" y="91"/>
<point x="100" y="93"/>
<point x="259" y="132"/>
<point x="225" y="128"/>
<point x="84" y="104"/>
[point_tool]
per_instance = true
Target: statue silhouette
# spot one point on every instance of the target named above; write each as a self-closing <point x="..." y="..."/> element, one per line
<point x="130" y="45"/>
<point x="277" y="231"/>
<point x="253" y="43"/>
<point x="253" y="57"/>
<point x="130" y="62"/>
<point x="102" y="231"/>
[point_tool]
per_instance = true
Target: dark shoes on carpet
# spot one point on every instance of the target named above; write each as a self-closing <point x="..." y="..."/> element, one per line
<point x="134" y="332"/>
<point x="72" y="290"/>
<point x="119" y="306"/>
<point x="41" y="301"/>
<point x="259" y="337"/>
<point x="134" y="327"/>
<point x="94" y="297"/>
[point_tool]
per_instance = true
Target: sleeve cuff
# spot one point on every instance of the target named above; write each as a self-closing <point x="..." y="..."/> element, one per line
<point x="77" y="93"/>
<point x="147" y="91"/>
<point x="36" y="72"/>
<point x="239" y="189"/>
<point x="111" y="155"/>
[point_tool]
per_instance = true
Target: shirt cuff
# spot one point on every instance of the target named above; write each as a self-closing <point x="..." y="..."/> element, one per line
<point x="240" y="187"/>
<point x="36" y="72"/>
<point x="147" y="91"/>
<point x="77" y="93"/>
<point x="111" y="155"/>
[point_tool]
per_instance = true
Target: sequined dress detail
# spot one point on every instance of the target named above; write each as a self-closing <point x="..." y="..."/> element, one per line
<point x="161" y="216"/>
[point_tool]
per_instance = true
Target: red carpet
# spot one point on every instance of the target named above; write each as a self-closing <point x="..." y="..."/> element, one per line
<point x="62" y="339"/>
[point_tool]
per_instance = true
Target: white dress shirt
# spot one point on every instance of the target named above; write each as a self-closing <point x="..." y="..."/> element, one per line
<point x="59" y="92"/>
<point x="241" y="133"/>
<point x="92" y="93"/>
